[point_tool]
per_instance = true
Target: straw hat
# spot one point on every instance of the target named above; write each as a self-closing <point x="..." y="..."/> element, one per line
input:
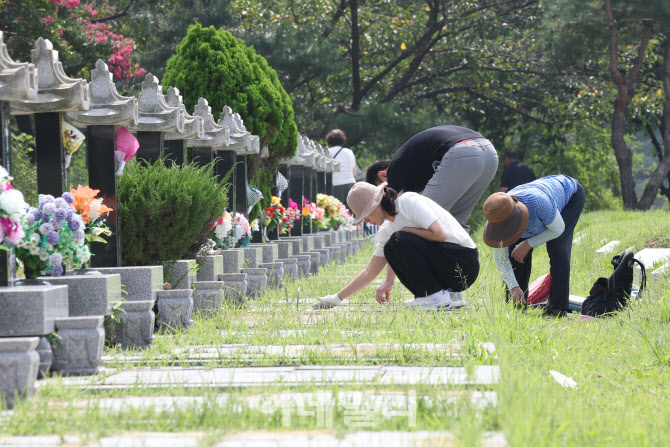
<point x="507" y="219"/>
<point x="363" y="198"/>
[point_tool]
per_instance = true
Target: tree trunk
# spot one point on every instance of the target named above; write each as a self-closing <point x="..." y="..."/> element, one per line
<point x="624" y="156"/>
<point x="663" y="168"/>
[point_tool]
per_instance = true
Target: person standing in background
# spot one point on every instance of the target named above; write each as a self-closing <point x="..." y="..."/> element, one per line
<point x="343" y="179"/>
<point x="515" y="173"/>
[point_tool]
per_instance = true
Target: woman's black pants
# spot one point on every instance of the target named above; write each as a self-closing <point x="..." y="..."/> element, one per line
<point x="426" y="267"/>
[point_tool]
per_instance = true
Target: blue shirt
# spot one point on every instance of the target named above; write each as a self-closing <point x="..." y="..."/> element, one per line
<point x="544" y="198"/>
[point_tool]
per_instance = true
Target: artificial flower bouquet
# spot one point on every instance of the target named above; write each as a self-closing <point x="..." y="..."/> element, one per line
<point x="242" y="231"/>
<point x="54" y="237"/>
<point x="333" y="214"/>
<point x="222" y="236"/>
<point x="312" y="215"/>
<point x="12" y="208"/>
<point x="292" y="214"/>
<point x="92" y="212"/>
<point x="273" y="216"/>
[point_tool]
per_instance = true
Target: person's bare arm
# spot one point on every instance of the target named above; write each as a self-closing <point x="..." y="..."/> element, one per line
<point x="384" y="290"/>
<point x="364" y="278"/>
<point x="435" y="232"/>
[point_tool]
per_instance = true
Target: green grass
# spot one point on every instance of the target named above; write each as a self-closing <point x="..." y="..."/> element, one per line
<point x="621" y="364"/>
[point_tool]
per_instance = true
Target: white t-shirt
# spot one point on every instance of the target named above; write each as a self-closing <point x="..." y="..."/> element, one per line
<point x="415" y="210"/>
<point x="347" y="161"/>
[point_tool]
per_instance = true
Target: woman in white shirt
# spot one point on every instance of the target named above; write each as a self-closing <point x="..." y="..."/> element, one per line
<point x="424" y="245"/>
<point x="343" y="179"/>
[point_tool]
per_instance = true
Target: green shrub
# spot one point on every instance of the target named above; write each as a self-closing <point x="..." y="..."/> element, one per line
<point x="23" y="170"/>
<point x="230" y="73"/>
<point x="166" y="212"/>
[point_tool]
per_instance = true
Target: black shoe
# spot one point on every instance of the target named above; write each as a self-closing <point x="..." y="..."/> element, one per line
<point x="554" y="313"/>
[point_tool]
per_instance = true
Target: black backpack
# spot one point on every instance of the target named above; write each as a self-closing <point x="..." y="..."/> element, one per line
<point x="611" y="294"/>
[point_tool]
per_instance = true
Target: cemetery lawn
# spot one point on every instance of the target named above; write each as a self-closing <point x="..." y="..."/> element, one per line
<point x="621" y="364"/>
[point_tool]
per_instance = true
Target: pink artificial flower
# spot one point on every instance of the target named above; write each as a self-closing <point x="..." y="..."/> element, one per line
<point x="292" y="204"/>
<point x="12" y="230"/>
<point x="48" y="20"/>
<point x="6" y="187"/>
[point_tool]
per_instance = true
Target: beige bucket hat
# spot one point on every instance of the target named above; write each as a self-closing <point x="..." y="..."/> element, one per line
<point x="363" y="198"/>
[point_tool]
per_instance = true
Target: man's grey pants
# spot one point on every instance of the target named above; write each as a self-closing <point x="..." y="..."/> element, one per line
<point x="462" y="176"/>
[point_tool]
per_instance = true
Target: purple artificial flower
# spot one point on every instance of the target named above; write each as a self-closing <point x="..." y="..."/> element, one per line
<point x="57" y="271"/>
<point x="68" y="197"/>
<point x="48" y="209"/>
<point x="37" y="214"/>
<point x="60" y="214"/>
<point x="79" y="234"/>
<point x="73" y="224"/>
<point x="53" y="238"/>
<point x="56" y="259"/>
<point x="46" y="228"/>
<point x="45" y="198"/>
<point x="30" y="219"/>
<point x="60" y="203"/>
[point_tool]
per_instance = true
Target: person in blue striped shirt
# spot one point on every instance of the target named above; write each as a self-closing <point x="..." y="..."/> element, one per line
<point x="543" y="211"/>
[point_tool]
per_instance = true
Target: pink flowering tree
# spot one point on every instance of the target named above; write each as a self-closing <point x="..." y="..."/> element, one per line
<point x="82" y="32"/>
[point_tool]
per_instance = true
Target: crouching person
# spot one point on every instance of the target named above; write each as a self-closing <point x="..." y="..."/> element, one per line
<point x="543" y="211"/>
<point x="422" y="243"/>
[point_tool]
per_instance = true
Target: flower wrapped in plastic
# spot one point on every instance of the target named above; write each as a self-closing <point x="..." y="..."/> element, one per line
<point x="242" y="230"/>
<point x="313" y="215"/>
<point x="12" y="208"/>
<point x="333" y="215"/>
<point x="126" y="148"/>
<point x="54" y="238"/>
<point x="222" y="232"/>
<point x="92" y="211"/>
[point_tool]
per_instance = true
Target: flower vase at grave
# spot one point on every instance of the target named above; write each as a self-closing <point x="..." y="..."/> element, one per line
<point x="243" y="242"/>
<point x="273" y="235"/>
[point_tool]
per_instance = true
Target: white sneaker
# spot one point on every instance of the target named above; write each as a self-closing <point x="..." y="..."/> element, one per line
<point x="457" y="299"/>
<point x="438" y="300"/>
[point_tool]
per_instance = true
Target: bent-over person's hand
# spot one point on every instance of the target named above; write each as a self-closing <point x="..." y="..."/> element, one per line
<point x="328" y="302"/>
<point x="521" y="251"/>
<point x="517" y="296"/>
<point x="383" y="291"/>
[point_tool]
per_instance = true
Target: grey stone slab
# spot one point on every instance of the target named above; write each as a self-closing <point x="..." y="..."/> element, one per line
<point x="211" y="268"/>
<point x="139" y="283"/>
<point x="270" y="252"/>
<point x="18" y="367"/>
<point x="355" y="439"/>
<point x="314" y="261"/>
<point x="319" y="241"/>
<point x="256" y="281"/>
<point x="137" y="327"/>
<point x="233" y="260"/>
<point x="280" y="375"/>
<point x="651" y="258"/>
<point x="290" y="266"/>
<point x="234" y="287"/>
<point x="296" y="244"/>
<point x="78" y="350"/>
<point x="252" y="257"/>
<point x="324" y="256"/>
<point x="440" y="375"/>
<point x="46" y="357"/>
<point x="180" y="274"/>
<point x="31" y="310"/>
<point x="284" y="249"/>
<point x="275" y="273"/>
<point x="151" y="440"/>
<point x="607" y="248"/>
<point x="303" y="263"/>
<point x="40" y="441"/>
<point x="174" y="310"/>
<point x="89" y="294"/>
<point x="207" y="296"/>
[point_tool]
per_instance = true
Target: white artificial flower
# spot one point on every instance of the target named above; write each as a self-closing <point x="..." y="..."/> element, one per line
<point x="3" y="173"/>
<point x="44" y="256"/>
<point x="34" y="238"/>
<point x="95" y="208"/>
<point x="254" y="225"/>
<point x="11" y="202"/>
<point x="34" y="250"/>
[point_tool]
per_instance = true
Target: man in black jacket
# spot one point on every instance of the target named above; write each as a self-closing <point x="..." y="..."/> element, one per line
<point x="515" y="173"/>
